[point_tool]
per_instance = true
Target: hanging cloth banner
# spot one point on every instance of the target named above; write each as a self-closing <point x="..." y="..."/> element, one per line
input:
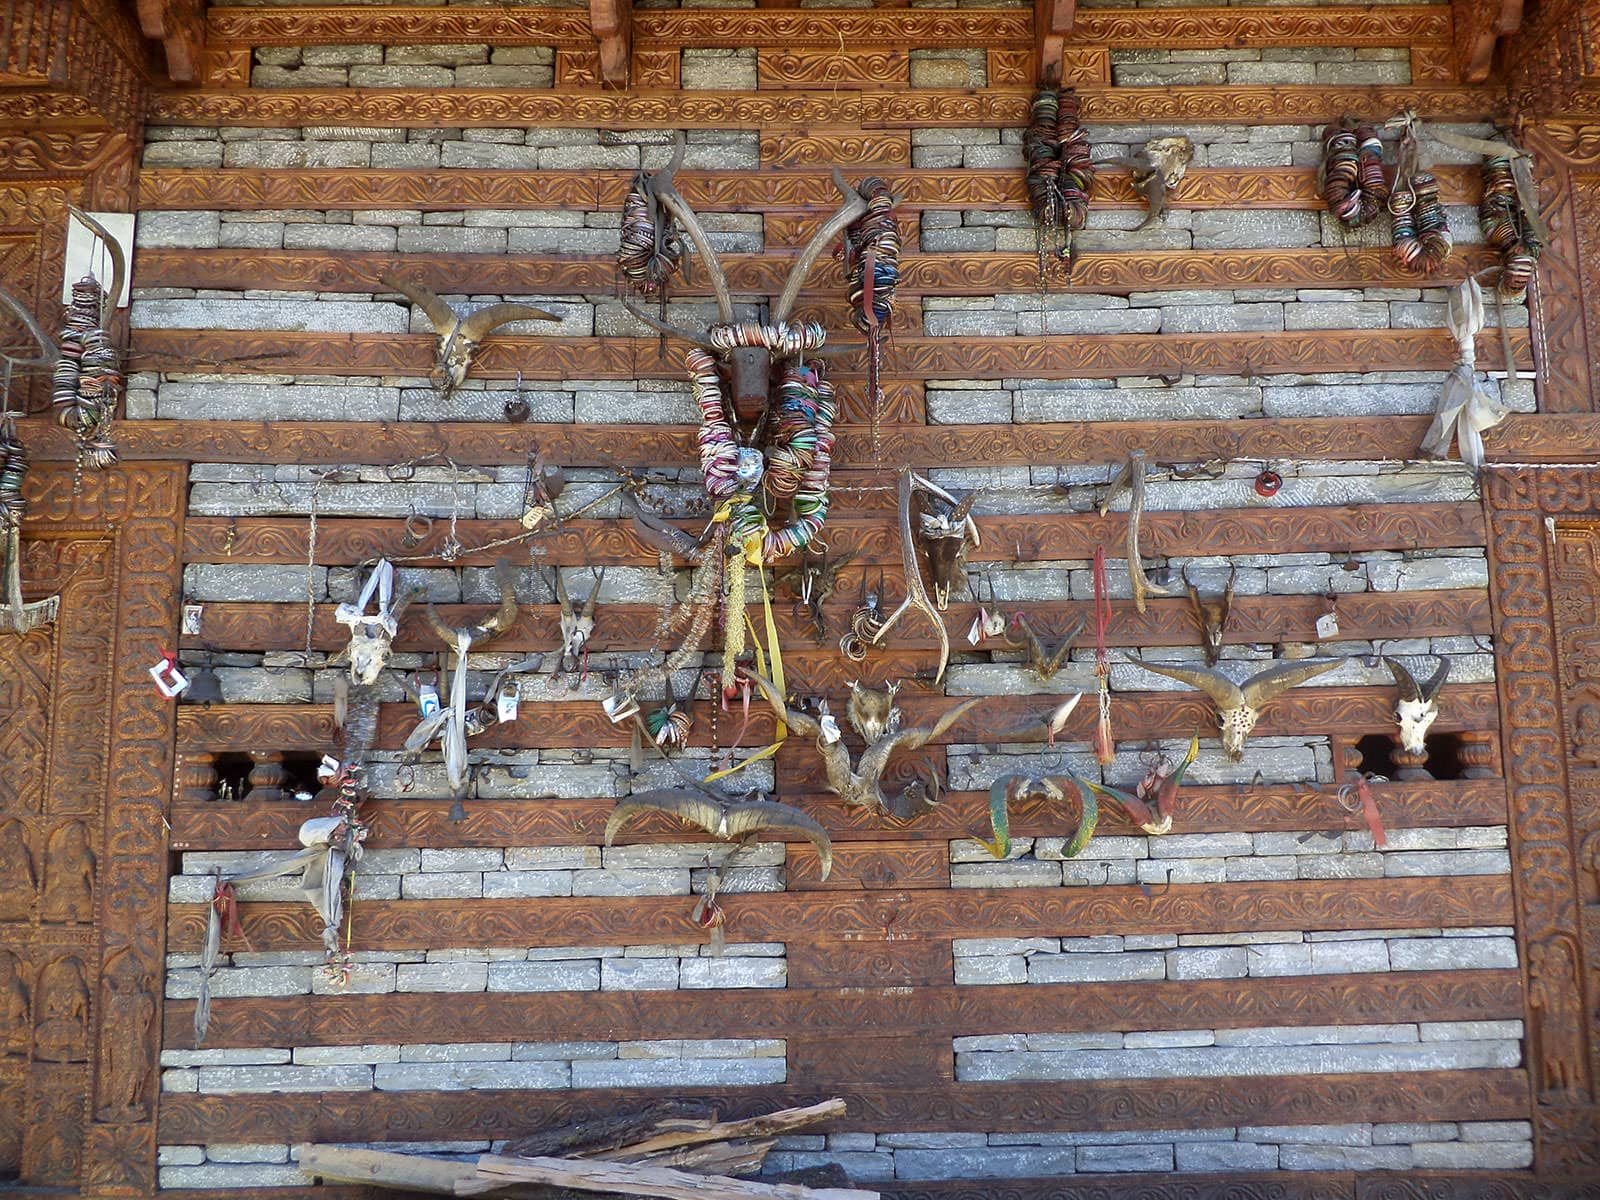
<point x="1464" y="409"/>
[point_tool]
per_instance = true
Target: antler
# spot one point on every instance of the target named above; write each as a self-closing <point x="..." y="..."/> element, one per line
<point x="685" y="216"/>
<point x="916" y="593"/>
<point x="1132" y="474"/>
<point x="119" y="262"/>
<point x="848" y="213"/>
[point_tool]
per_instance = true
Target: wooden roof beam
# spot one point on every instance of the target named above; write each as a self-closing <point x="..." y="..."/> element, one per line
<point x="612" y="21"/>
<point x="1052" y="22"/>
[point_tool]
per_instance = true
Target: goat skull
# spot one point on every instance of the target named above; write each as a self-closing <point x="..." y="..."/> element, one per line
<point x="1417" y="706"/>
<point x="459" y="336"/>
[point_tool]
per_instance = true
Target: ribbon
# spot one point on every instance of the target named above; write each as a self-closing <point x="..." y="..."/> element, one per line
<point x="1464" y="409"/>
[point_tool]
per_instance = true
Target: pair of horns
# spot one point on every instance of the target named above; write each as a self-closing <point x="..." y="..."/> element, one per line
<point x="501" y="621"/>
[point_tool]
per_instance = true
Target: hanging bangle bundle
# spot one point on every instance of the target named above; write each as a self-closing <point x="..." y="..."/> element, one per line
<point x="13" y="469"/>
<point x="86" y="381"/>
<point x="1060" y="171"/>
<point x="872" y="272"/>
<point x="1420" y="235"/>
<point x="650" y="252"/>
<point x="1353" y="183"/>
<point x="1506" y="229"/>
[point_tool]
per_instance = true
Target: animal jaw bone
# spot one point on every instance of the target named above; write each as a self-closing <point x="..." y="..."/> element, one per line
<point x="1157" y="167"/>
<point x="1212" y="615"/>
<point x="916" y="593"/>
<point x="459" y="336"/>
<point x="577" y="627"/>
<point x="1239" y="707"/>
<point x="1417" y="706"/>
<point x="1132" y="476"/>
<point x="861" y="786"/>
<point x="742" y="819"/>
<point x="1044" y="663"/>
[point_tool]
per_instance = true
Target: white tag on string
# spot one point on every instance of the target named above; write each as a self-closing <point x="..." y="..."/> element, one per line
<point x="507" y="702"/>
<point x="428" y="699"/>
<point x="1328" y="625"/>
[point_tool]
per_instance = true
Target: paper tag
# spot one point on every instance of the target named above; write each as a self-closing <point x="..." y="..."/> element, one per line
<point x="505" y="704"/>
<point x="169" y="680"/>
<point x="830" y="729"/>
<point x="428" y="699"/>
<point x="193" y="617"/>
<point x="975" y="631"/>
<point x="1328" y="625"/>
<point x="537" y="516"/>
<point x="619" y="706"/>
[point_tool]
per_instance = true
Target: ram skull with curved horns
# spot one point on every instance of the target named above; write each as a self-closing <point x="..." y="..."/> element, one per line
<point x="459" y="336"/>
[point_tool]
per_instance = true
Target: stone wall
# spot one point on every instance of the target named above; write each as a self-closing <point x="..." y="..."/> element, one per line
<point x="340" y="247"/>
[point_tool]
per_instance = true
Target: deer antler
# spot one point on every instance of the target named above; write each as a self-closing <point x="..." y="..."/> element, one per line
<point x="847" y="214"/>
<point x="1132" y="474"/>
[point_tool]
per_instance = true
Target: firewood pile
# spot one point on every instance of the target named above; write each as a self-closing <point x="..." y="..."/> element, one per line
<point x="669" y="1150"/>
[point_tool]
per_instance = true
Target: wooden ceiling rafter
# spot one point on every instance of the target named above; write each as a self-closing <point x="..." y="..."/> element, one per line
<point x="612" y="21"/>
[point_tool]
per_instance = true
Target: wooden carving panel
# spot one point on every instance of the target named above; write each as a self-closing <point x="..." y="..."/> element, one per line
<point x="1545" y="594"/>
<point x="85" y="887"/>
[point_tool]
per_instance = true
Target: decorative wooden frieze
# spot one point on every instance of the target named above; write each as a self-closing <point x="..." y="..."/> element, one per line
<point x="764" y="274"/>
<point x="906" y="109"/>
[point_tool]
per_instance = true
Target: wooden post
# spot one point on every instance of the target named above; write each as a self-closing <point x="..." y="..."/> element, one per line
<point x="1052" y="22"/>
<point x="612" y="21"/>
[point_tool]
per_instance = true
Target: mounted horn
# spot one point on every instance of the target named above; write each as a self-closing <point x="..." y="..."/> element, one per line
<point x="1239" y="707"/>
<point x="119" y="261"/>
<point x="459" y="336"/>
<point x="1417" y="706"/>
<point x="853" y="208"/>
<point x="1212" y="615"/>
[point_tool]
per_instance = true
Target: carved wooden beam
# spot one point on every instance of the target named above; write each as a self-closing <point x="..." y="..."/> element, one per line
<point x="613" y="26"/>
<point x="1479" y="25"/>
<point x="764" y="274"/>
<point x="180" y="27"/>
<point x="420" y="108"/>
<point x="1052" y="23"/>
<point x="1099" y="356"/>
<point x="433" y="821"/>
<point x="800" y="189"/>
<point x="931" y="1012"/>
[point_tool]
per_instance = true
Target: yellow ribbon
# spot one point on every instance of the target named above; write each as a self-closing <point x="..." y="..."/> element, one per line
<point x="761" y="665"/>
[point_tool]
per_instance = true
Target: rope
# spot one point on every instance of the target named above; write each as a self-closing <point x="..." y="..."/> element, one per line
<point x="1105" y="746"/>
<point x="1060" y="172"/>
<point x="872" y="258"/>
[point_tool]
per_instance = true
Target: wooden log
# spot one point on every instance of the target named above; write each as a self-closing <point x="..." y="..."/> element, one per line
<point x="623" y="1179"/>
<point x="384" y="1168"/>
<point x="610" y="1132"/>
<point x="770" y="1125"/>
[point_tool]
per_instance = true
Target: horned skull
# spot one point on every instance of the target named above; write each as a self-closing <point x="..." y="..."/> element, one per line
<point x="577" y="626"/>
<point x="942" y="529"/>
<point x="1417" y="705"/>
<point x="1239" y="706"/>
<point x="459" y="336"/>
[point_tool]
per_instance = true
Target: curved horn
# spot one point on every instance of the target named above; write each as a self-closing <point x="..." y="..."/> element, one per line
<point x="486" y="320"/>
<point x="119" y="261"/>
<point x="594" y="596"/>
<point x="505" y="616"/>
<point x="48" y="354"/>
<point x="685" y="216"/>
<point x="1224" y="692"/>
<point x="677" y="331"/>
<point x="1276" y="680"/>
<point x="1403" y="679"/>
<point x="800" y="722"/>
<point x="444" y="318"/>
<point x="848" y="213"/>
<point x="687" y="806"/>
<point x="440" y="629"/>
<point x="1430" y="690"/>
<point x="564" y="600"/>
<point x="753" y="815"/>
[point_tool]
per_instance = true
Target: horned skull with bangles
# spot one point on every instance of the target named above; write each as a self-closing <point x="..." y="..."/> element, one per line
<point x="766" y="429"/>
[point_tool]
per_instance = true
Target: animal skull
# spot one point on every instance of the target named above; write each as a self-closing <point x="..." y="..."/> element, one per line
<point x="1239" y="706"/>
<point x="459" y="336"/>
<point x="1417" y="706"/>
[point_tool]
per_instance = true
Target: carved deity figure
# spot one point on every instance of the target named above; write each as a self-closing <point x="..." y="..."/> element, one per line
<point x="127" y="1013"/>
<point x="1586" y="745"/>
<point x="63" y="1013"/>
<point x="1557" y="1020"/>
<point x="69" y="875"/>
<point x="18" y="879"/>
<point x="13" y="1006"/>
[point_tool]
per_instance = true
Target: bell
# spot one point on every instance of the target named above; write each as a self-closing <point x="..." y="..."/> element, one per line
<point x="204" y="686"/>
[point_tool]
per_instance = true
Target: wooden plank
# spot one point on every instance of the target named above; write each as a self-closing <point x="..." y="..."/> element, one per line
<point x="1036" y="537"/>
<point x="1363" y="616"/>
<point x="798" y="188"/>
<point x="623" y="1179"/>
<point x="423" y="821"/>
<point x="1522" y="437"/>
<point x="976" y="912"/>
<point x="1215" y="28"/>
<point x="882" y="1009"/>
<point x="1000" y="107"/>
<point x="330" y="271"/>
<point x="1100" y="356"/>
<point x="1103" y="1104"/>
<point x="579" y="723"/>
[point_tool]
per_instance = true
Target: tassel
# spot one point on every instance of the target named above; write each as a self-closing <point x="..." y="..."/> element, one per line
<point x="1105" y="747"/>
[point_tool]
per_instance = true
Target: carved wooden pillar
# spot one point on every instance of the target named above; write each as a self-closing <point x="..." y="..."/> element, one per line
<point x="612" y="21"/>
<point x="1478" y="757"/>
<point x="197" y="777"/>
<point x="266" y="777"/>
<point x="1409" y="765"/>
